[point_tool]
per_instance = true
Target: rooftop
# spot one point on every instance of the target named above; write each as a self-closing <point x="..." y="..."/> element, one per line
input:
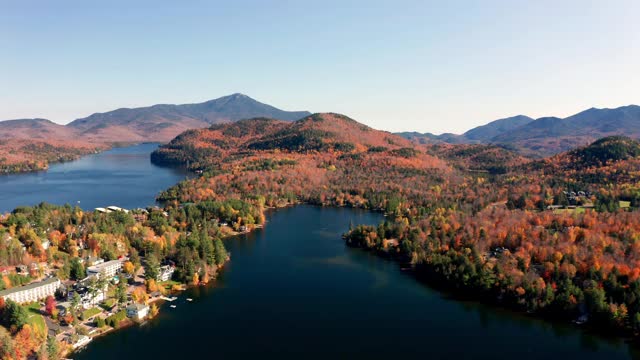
<point x="29" y="286"/>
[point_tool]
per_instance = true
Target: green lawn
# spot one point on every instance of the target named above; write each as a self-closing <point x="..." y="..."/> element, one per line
<point x="108" y="304"/>
<point x="91" y="312"/>
<point x="168" y="284"/>
<point x="578" y="210"/>
<point x="35" y="318"/>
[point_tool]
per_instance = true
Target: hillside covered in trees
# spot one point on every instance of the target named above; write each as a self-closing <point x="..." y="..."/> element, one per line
<point x="22" y="155"/>
<point x="557" y="236"/>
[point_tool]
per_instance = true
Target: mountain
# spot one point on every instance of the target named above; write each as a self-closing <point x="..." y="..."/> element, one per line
<point x="34" y="129"/>
<point x="545" y="136"/>
<point x="32" y="144"/>
<point x="495" y="128"/>
<point x="551" y="135"/>
<point x="163" y="122"/>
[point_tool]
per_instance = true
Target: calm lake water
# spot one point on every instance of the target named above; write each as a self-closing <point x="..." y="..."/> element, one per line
<point x="123" y="177"/>
<point x="293" y="290"/>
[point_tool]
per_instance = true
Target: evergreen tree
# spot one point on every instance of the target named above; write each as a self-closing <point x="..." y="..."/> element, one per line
<point x="151" y="267"/>
<point x="77" y="271"/>
<point x="221" y="252"/>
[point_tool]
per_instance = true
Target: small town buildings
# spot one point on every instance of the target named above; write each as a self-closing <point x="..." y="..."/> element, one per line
<point x="88" y="291"/>
<point x="165" y="273"/>
<point x="108" y="269"/>
<point x="137" y="311"/>
<point x="32" y="292"/>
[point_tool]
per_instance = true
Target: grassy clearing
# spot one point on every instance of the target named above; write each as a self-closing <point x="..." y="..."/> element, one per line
<point x="169" y="284"/>
<point x="578" y="210"/>
<point x="91" y="312"/>
<point x="35" y="319"/>
<point x="624" y="204"/>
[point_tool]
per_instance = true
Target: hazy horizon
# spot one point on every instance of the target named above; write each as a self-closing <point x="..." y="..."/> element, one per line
<point x="402" y="66"/>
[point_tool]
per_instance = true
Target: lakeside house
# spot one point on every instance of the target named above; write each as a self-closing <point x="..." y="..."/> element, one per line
<point x="137" y="311"/>
<point x="32" y="292"/>
<point x="108" y="269"/>
<point x="89" y="291"/>
<point x="165" y="273"/>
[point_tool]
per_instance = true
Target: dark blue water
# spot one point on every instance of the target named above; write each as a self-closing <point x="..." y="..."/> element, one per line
<point x="294" y="291"/>
<point x="123" y="177"/>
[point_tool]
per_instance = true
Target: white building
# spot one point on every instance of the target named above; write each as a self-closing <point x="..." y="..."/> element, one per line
<point x="108" y="269"/>
<point x="137" y="311"/>
<point x="115" y="208"/>
<point x="165" y="273"/>
<point x="32" y="292"/>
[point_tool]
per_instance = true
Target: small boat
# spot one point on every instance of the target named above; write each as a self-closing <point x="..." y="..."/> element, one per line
<point x="172" y="306"/>
<point x="189" y="299"/>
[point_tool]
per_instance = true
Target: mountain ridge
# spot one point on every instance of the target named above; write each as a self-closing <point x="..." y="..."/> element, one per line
<point x="546" y="136"/>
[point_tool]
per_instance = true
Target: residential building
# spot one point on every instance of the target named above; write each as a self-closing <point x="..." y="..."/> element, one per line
<point x="165" y="273"/>
<point x="108" y="269"/>
<point x="32" y="292"/>
<point x="137" y="311"/>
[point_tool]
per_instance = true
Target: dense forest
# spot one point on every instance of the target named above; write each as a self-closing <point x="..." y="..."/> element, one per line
<point x="18" y="155"/>
<point x="557" y="236"/>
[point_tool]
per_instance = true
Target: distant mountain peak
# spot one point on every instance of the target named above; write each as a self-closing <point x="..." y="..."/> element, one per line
<point x="162" y="122"/>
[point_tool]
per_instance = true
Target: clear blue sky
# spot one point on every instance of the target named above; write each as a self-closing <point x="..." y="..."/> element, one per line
<point x="438" y="66"/>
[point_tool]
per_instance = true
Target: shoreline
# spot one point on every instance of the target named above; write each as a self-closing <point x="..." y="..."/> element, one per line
<point x="127" y="322"/>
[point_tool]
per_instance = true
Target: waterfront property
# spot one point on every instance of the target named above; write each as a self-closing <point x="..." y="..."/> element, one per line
<point x="32" y="292"/>
<point x="137" y="311"/>
<point x="165" y="273"/>
<point x="108" y="269"/>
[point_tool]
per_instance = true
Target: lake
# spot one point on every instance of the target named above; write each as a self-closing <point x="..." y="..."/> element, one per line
<point x="123" y="177"/>
<point x="293" y="289"/>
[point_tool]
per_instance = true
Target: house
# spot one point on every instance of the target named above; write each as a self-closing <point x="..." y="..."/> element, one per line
<point x="45" y="244"/>
<point x="165" y="273"/>
<point x="137" y="311"/>
<point x="108" y="269"/>
<point x="32" y="292"/>
<point x="89" y="296"/>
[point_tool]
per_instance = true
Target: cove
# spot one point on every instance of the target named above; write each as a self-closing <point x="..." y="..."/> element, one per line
<point x="123" y="177"/>
<point x="294" y="290"/>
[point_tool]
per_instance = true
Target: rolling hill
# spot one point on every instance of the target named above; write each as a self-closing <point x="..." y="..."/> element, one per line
<point x="325" y="133"/>
<point x="35" y="129"/>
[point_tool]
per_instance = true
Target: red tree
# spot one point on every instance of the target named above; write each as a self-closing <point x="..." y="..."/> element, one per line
<point x="50" y="304"/>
